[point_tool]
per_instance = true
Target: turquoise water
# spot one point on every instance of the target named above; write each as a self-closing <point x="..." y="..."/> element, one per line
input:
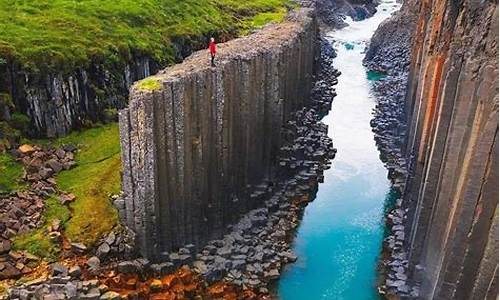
<point x="374" y="76"/>
<point x="340" y="236"/>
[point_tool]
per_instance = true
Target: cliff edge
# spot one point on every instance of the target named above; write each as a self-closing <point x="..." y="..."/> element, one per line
<point x="200" y="144"/>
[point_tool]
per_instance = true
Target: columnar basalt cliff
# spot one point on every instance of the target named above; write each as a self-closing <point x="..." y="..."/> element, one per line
<point x="448" y="217"/>
<point x="453" y="138"/>
<point x="199" y="144"/>
<point x="58" y="102"/>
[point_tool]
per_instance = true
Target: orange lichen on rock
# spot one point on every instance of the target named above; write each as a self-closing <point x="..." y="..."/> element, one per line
<point x="183" y="284"/>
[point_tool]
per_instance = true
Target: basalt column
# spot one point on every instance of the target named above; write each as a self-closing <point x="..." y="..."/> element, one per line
<point x="452" y="190"/>
<point x="198" y="142"/>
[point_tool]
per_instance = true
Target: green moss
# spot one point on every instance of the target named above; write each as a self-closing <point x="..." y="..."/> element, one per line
<point x="6" y="99"/>
<point x="149" y="84"/>
<point x="20" y="121"/>
<point x="55" y="210"/>
<point x="37" y="242"/>
<point x="268" y="17"/>
<point x="65" y="34"/>
<point x="12" y="172"/>
<point x="93" y="180"/>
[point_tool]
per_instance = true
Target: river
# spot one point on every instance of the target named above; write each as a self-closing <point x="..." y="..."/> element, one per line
<point x="340" y="236"/>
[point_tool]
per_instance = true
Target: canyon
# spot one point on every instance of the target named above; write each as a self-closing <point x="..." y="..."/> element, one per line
<point x="442" y="78"/>
<point x="220" y="165"/>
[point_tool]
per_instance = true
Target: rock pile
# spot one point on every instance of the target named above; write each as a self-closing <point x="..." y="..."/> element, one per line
<point x="42" y="164"/>
<point x="323" y="90"/>
<point x="118" y="244"/>
<point x="389" y="54"/>
<point x="396" y="262"/>
<point x="63" y="283"/>
<point x="334" y="13"/>
<point x="21" y="212"/>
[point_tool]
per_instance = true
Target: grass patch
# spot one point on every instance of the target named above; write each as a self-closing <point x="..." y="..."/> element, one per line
<point x="37" y="242"/>
<point x="11" y="174"/>
<point x="93" y="180"/>
<point x="65" y="34"/>
<point x="268" y="17"/>
<point x="149" y="84"/>
<point x="96" y="176"/>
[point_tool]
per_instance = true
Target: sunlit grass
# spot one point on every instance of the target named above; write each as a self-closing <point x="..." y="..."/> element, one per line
<point x="11" y="172"/>
<point x="93" y="180"/>
<point x="65" y="34"/>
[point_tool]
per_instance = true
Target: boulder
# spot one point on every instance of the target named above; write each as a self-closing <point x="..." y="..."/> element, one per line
<point x="75" y="272"/>
<point x="103" y="250"/>
<point x="26" y="149"/>
<point x="94" y="264"/>
<point x="78" y="248"/>
<point x="58" y="270"/>
<point x="55" y="165"/>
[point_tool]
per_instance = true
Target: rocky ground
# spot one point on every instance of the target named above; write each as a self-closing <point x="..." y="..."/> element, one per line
<point x="389" y="55"/>
<point x="244" y="263"/>
<point x="22" y="211"/>
<point x="333" y="13"/>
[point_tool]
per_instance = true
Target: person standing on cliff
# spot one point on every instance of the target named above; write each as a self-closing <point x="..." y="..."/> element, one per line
<point x="212" y="48"/>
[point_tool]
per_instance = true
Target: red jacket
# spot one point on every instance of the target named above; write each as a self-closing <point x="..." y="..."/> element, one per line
<point x="212" y="47"/>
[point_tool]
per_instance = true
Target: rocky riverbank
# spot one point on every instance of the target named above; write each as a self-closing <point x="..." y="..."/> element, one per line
<point x="333" y="13"/>
<point x="388" y="56"/>
<point x="251" y="256"/>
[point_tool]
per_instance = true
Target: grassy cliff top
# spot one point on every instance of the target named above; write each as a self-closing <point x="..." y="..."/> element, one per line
<point x="55" y="34"/>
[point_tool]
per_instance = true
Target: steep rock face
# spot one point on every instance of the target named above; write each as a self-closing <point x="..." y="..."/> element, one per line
<point x="59" y="102"/>
<point x="200" y="144"/>
<point x="452" y="189"/>
<point x="334" y="12"/>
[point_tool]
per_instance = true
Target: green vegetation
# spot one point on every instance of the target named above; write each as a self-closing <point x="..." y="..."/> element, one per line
<point x="38" y="242"/>
<point x="264" y="18"/>
<point x="64" y="34"/>
<point x="11" y="171"/>
<point x="93" y="180"/>
<point x="149" y="84"/>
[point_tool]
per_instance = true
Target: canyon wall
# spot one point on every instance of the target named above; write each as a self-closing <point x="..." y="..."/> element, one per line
<point x="199" y="144"/>
<point x="58" y="102"/>
<point x="452" y="188"/>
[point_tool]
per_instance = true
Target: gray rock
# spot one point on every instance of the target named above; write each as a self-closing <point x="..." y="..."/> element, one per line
<point x="78" y="248"/>
<point x="55" y="165"/>
<point x="94" y="263"/>
<point x="58" y="270"/>
<point x="127" y="267"/>
<point x="200" y="267"/>
<point x="71" y="290"/>
<point x="103" y="250"/>
<point x="75" y="272"/>
<point x="273" y="274"/>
